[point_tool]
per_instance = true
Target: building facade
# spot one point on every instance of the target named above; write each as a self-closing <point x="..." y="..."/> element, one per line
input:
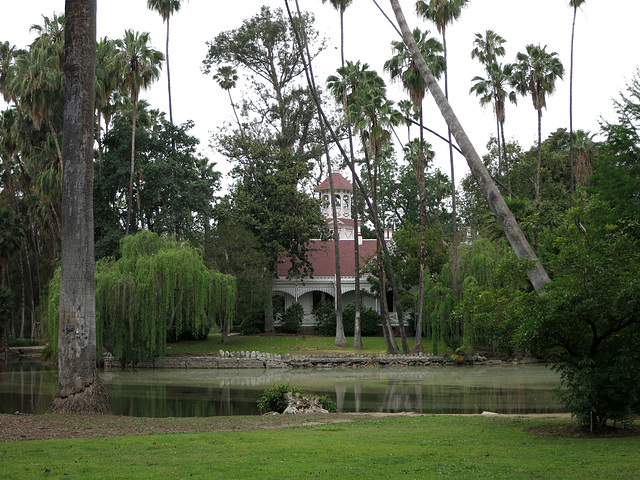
<point x="310" y="291"/>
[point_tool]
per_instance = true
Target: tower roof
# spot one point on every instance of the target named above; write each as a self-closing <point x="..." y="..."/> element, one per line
<point x="339" y="182"/>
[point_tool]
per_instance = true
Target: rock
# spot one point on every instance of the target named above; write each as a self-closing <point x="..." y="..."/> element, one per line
<point x="298" y="404"/>
<point x="490" y="414"/>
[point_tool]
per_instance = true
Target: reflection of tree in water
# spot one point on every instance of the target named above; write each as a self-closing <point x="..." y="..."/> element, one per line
<point x="162" y="393"/>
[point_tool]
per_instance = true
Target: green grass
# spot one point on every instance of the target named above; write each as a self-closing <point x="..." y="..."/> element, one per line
<point x="454" y="447"/>
<point x="283" y="344"/>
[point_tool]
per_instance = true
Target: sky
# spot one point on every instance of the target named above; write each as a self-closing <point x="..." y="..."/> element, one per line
<point x="606" y="57"/>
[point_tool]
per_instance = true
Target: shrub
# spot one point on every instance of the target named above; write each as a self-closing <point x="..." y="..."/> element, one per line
<point x="274" y="399"/>
<point x="325" y="314"/>
<point x="369" y="320"/>
<point x="328" y="404"/>
<point x="292" y="319"/>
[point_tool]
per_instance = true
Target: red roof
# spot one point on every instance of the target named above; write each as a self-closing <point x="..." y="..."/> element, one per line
<point x="323" y="258"/>
<point x="339" y="182"/>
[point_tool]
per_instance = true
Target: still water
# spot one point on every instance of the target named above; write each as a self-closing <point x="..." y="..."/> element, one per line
<point x="518" y="389"/>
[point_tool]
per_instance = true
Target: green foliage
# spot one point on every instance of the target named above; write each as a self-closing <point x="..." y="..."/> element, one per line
<point x="292" y="318"/>
<point x="233" y="249"/>
<point x="174" y="185"/>
<point x="326" y="318"/>
<point x="494" y="280"/>
<point x="369" y="320"/>
<point x="6" y="305"/>
<point x="588" y="319"/>
<point x="23" y="342"/>
<point x="274" y="399"/>
<point x="158" y="291"/>
<point x="325" y="314"/>
<point x="617" y="171"/>
<point x="328" y="403"/>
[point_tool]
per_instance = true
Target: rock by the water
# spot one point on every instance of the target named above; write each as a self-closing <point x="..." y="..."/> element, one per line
<point x="298" y="404"/>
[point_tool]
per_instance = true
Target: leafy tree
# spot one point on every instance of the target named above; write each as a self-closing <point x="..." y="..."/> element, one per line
<point x="175" y="185"/>
<point x="588" y="321"/>
<point x="159" y="290"/>
<point x="617" y="169"/>
<point x="233" y="249"/>
<point x="279" y="141"/>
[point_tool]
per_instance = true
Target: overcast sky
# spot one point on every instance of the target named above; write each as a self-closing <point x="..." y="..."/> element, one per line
<point x="606" y="56"/>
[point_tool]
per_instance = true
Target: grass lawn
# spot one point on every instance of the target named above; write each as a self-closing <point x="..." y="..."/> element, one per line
<point x="288" y="344"/>
<point x="456" y="447"/>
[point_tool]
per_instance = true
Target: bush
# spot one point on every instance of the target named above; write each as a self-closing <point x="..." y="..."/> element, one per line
<point x="274" y="399"/>
<point x="328" y="404"/>
<point x="325" y="314"/>
<point x="369" y="320"/>
<point x="292" y="319"/>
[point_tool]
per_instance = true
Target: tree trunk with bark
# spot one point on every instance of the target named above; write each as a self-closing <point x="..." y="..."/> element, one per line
<point x="80" y="389"/>
<point x="537" y="275"/>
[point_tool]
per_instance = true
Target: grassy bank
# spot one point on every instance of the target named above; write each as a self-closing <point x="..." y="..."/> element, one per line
<point x="399" y="447"/>
<point x="287" y="344"/>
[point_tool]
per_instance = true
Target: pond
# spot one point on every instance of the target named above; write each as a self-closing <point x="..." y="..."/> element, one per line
<point x="512" y="389"/>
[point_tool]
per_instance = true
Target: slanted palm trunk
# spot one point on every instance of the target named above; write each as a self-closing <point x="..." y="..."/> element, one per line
<point x="537" y="275"/>
<point x="80" y="389"/>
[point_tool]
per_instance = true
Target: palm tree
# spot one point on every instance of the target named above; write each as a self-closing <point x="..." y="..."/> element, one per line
<point x="494" y="90"/>
<point x="106" y="85"/>
<point x="37" y="82"/>
<point x="341" y="6"/>
<point x="487" y="49"/>
<point x="443" y="12"/>
<point x="80" y="390"/>
<point x="166" y="8"/>
<point x="363" y="95"/>
<point x="537" y="275"/>
<point x="140" y="66"/>
<point x="227" y="76"/>
<point x="575" y="4"/>
<point x="536" y="73"/>
<point x="585" y="150"/>
<point x="401" y="66"/>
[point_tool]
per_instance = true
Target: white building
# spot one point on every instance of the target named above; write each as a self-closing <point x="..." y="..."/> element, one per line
<point x="310" y="291"/>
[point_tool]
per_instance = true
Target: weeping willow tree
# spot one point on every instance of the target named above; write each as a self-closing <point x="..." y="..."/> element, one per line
<point x="490" y="277"/>
<point x="159" y="290"/>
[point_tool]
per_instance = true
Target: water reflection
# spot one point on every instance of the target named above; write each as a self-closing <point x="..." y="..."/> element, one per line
<point x="174" y="393"/>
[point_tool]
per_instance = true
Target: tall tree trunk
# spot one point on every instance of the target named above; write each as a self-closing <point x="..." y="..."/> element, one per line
<point x="422" y="194"/>
<point x="571" y="162"/>
<point x="80" y="389"/>
<point x="538" y="175"/>
<point x="537" y="275"/>
<point x="357" y="329"/>
<point x="506" y="160"/>
<point x="169" y="75"/>
<point x="132" y="170"/>
<point x="454" y="211"/>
